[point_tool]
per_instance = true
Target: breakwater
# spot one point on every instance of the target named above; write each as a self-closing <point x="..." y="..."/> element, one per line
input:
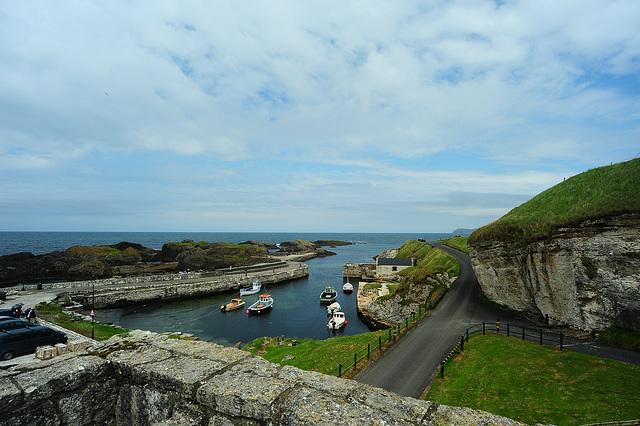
<point x="133" y="290"/>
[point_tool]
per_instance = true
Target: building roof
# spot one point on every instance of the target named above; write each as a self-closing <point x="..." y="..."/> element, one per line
<point x="388" y="261"/>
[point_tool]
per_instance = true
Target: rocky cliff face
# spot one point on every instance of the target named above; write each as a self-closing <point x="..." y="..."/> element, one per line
<point x="587" y="275"/>
<point x="385" y="312"/>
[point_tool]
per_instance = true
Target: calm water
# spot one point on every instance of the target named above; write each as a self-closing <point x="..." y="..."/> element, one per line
<point x="297" y="311"/>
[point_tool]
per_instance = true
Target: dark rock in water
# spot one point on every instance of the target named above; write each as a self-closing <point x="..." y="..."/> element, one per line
<point x="324" y="253"/>
<point x="297" y="246"/>
<point x="268" y="246"/>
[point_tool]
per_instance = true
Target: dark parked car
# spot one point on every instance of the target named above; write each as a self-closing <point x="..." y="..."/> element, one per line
<point x="8" y="313"/>
<point x="25" y="340"/>
<point x="10" y="323"/>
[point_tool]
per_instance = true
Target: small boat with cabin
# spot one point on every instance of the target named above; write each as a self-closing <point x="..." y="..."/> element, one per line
<point x="328" y="295"/>
<point x="233" y="305"/>
<point x="337" y="321"/>
<point x="334" y="307"/>
<point x="264" y="303"/>
<point x="347" y="287"/>
<point x="254" y="289"/>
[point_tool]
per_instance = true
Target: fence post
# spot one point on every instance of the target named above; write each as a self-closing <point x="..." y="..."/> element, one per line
<point x="406" y="322"/>
<point x="483" y="329"/>
<point x="540" y="336"/>
<point x="340" y="370"/>
<point x="462" y="343"/>
<point x="355" y="361"/>
<point x="380" y="343"/>
<point x="498" y="325"/>
<point x="560" y="341"/>
<point x="546" y="320"/>
<point x="368" y="351"/>
<point x="442" y="370"/>
<point x="523" y="332"/>
<point x="467" y="334"/>
<point x="507" y="329"/>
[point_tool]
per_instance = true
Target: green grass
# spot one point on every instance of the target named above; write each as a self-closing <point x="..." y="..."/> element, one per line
<point x="597" y="193"/>
<point x="623" y="338"/>
<point x="458" y="243"/>
<point x="313" y="355"/>
<point x="431" y="261"/>
<point x="52" y="312"/>
<point x="538" y="384"/>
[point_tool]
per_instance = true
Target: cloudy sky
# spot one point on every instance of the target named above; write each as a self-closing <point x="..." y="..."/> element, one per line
<point x="319" y="116"/>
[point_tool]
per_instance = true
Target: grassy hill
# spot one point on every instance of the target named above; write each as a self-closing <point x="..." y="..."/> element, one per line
<point x="597" y="193"/>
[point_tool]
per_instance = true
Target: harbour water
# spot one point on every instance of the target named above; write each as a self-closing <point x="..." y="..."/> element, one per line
<point x="297" y="311"/>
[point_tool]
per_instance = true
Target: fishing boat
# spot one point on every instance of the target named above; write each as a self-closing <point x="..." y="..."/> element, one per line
<point x="254" y="289"/>
<point x="334" y="307"/>
<point x="337" y="321"/>
<point x="264" y="303"/>
<point x="234" y="304"/>
<point x="347" y="287"/>
<point x="328" y="295"/>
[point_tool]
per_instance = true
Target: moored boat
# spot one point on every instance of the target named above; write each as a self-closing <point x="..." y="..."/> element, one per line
<point x="347" y="287"/>
<point x="255" y="288"/>
<point x="265" y="302"/>
<point x="234" y="304"/>
<point x="337" y="321"/>
<point x="328" y="295"/>
<point x="334" y="307"/>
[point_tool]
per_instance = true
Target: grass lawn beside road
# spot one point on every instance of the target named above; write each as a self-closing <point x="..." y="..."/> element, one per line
<point x="538" y="384"/>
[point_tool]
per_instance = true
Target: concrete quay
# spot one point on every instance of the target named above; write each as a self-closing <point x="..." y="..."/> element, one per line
<point x="120" y="291"/>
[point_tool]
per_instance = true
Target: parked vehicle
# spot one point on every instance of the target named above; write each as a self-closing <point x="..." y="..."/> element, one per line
<point x="25" y="340"/>
<point x="11" y="323"/>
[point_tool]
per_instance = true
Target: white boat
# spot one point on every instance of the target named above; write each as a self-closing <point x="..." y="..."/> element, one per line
<point x="265" y="302"/>
<point x="334" y="307"/>
<point x="337" y="321"/>
<point x="255" y="288"/>
<point x="347" y="287"/>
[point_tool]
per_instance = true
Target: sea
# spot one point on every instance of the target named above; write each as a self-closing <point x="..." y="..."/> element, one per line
<point x="297" y="311"/>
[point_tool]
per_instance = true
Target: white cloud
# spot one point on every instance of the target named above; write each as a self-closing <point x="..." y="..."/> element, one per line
<point x="373" y="99"/>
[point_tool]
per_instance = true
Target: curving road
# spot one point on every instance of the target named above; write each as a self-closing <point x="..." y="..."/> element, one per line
<point x="408" y="366"/>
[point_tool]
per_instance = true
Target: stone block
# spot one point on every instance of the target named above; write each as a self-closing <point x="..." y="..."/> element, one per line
<point x="45" y="352"/>
<point x="77" y="345"/>
<point x="61" y="348"/>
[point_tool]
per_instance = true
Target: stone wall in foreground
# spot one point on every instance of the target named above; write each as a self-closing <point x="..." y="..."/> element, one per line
<point x="147" y="378"/>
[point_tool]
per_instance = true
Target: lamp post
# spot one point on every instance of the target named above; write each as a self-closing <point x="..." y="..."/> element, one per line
<point x="93" y="304"/>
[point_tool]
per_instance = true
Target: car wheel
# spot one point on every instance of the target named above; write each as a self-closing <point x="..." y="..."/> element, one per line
<point x="7" y="355"/>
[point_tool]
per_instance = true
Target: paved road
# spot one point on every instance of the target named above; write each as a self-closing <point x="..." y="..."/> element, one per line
<point x="408" y="366"/>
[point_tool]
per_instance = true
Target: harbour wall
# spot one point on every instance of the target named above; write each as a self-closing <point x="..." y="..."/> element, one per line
<point x="134" y="293"/>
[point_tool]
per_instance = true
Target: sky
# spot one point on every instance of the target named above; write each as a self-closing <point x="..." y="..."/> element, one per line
<point x="306" y="116"/>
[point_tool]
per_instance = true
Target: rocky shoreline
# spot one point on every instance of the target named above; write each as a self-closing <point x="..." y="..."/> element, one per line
<point x="125" y="259"/>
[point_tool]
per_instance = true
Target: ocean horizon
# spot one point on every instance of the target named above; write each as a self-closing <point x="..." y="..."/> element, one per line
<point x="41" y="242"/>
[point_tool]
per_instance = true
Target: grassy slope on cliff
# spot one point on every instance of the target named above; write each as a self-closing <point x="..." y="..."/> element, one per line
<point x="597" y="193"/>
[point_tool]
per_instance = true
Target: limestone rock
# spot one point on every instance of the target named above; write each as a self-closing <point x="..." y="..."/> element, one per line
<point x="587" y="275"/>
